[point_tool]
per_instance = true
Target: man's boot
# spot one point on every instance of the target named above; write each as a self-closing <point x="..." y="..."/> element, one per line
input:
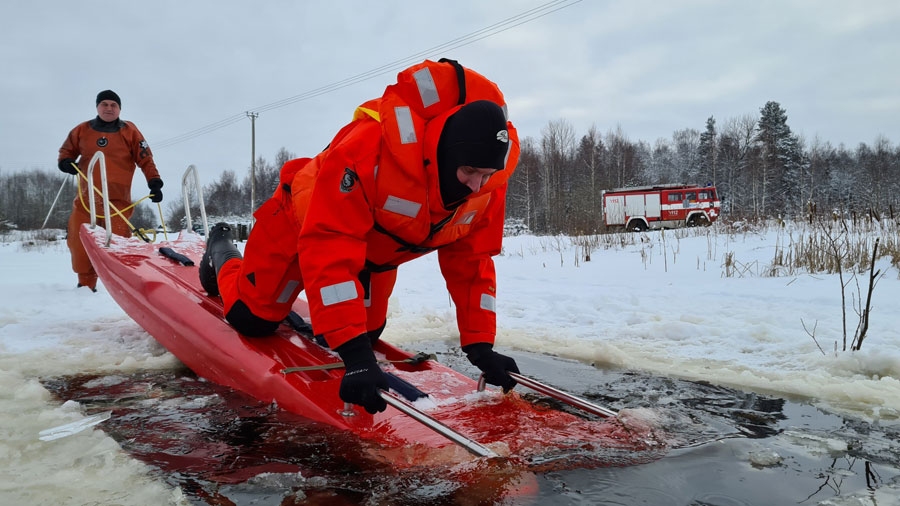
<point x="219" y="249"/>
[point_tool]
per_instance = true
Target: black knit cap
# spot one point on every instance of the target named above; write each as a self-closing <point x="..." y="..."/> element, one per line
<point x="108" y="95"/>
<point x="475" y="136"/>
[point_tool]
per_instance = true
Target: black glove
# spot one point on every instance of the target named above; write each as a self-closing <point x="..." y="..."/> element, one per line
<point x="363" y="378"/>
<point x="65" y="165"/>
<point x="496" y="367"/>
<point x="155" y="192"/>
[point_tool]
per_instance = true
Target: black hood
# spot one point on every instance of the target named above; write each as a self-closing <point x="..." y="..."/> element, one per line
<point x="474" y="136"/>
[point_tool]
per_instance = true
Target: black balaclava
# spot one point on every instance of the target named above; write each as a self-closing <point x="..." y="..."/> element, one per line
<point x="474" y="136"/>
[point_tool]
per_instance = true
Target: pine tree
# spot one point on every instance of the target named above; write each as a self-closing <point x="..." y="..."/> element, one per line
<point x="781" y="160"/>
<point x="708" y="152"/>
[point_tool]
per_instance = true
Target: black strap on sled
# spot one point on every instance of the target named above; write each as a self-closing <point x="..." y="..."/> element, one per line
<point x="178" y="257"/>
<point x="298" y="323"/>
<point x="404" y="388"/>
<point x="416" y="359"/>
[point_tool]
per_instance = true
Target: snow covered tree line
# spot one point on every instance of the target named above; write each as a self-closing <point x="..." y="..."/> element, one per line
<point x="760" y="167"/>
<point x="26" y="197"/>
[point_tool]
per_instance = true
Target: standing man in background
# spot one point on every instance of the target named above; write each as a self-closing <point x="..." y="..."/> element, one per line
<point x="124" y="147"/>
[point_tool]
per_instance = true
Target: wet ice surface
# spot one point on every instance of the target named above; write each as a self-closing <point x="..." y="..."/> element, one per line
<point x="725" y="447"/>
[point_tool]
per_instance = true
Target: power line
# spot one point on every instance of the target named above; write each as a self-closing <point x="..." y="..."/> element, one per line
<point x="470" y="38"/>
<point x="401" y="64"/>
<point x="200" y="131"/>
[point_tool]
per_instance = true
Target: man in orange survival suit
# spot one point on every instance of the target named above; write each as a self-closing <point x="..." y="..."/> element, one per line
<point x="423" y="168"/>
<point x="123" y="146"/>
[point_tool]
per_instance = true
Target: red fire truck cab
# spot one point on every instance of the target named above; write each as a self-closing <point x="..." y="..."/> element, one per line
<point x="640" y="208"/>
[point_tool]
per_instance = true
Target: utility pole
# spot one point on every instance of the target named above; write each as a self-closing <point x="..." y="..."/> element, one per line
<point x="252" y="116"/>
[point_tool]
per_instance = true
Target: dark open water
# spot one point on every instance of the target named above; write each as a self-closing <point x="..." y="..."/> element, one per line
<point x="726" y="447"/>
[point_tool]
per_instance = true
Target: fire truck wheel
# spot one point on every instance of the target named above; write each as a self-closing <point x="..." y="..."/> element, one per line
<point x="698" y="221"/>
<point x="636" y="226"/>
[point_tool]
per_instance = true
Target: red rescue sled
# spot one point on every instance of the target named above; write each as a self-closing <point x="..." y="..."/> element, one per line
<point x="163" y="295"/>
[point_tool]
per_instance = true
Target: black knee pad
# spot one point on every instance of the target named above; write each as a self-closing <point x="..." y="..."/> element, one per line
<point x="247" y="323"/>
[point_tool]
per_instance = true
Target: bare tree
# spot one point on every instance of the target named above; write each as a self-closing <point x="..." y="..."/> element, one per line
<point x="521" y="197"/>
<point x="621" y="158"/>
<point x="736" y="162"/>
<point x="687" y="148"/>
<point x="590" y="181"/>
<point x="661" y="166"/>
<point x="557" y="154"/>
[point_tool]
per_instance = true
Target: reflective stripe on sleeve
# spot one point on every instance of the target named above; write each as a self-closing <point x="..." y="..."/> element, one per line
<point x="407" y="129"/>
<point x="427" y="89"/>
<point x="339" y="292"/>
<point x="489" y="303"/>
<point x="288" y="290"/>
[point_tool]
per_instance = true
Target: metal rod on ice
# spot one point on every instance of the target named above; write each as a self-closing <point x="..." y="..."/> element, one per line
<point x="473" y="447"/>
<point x="563" y="396"/>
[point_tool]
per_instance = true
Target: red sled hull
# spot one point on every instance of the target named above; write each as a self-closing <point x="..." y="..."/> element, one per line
<point x="166" y="299"/>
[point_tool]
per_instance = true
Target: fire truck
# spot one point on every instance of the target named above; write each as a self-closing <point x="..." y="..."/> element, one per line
<point x="639" y="208"/>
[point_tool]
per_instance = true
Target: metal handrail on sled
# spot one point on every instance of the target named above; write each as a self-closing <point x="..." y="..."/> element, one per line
<point x="191" y="172"/>
<point x="99" y="157"/>
<point x="557" y="394"/>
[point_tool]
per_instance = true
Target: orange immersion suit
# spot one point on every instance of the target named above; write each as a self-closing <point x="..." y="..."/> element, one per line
<point x="340" y="223"/>
<point x="123" y="147"/>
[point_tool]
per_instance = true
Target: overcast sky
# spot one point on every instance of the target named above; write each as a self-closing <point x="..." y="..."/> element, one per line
<point x="652" y="67"/>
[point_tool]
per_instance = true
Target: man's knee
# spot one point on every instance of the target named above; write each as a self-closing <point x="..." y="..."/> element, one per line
<point x="247" y="323"/>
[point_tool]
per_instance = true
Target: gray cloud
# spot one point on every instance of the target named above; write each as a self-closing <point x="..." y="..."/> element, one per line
<point x="649" y="67"/>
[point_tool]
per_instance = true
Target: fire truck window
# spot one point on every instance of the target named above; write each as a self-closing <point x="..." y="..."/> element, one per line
<point x="690" y="196"/>
<point x="674" y="197"/>
<point x="704" y="195"/>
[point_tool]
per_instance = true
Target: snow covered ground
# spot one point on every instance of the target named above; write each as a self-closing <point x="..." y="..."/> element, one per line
<point x="664" y="303"/>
